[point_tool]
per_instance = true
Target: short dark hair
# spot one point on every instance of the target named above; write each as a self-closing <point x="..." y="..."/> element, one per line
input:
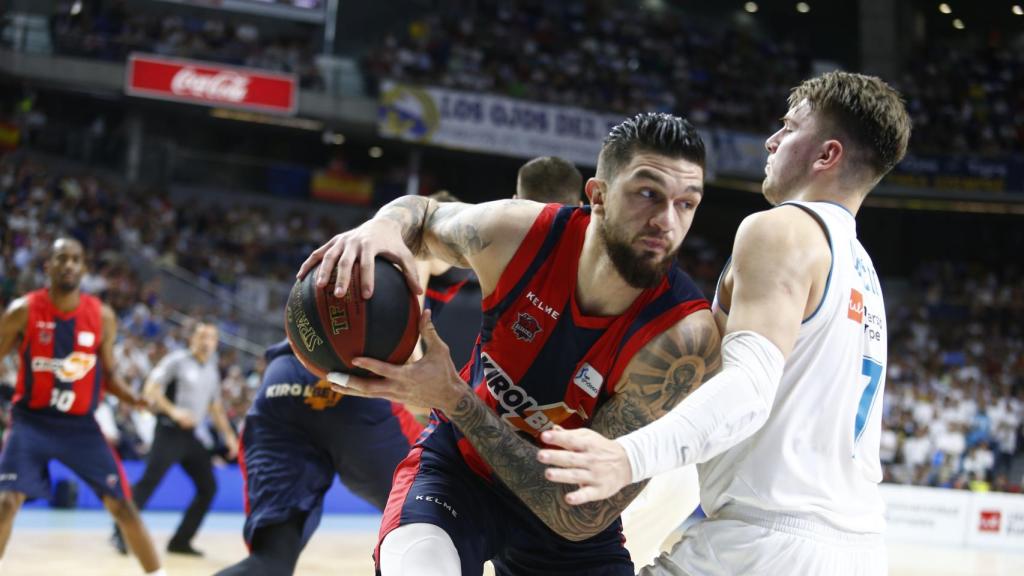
<point x="865" y="110"/>
<point x="443" y="196"/>
<point x="655" y="132"/>
<point x="551" y="180"/>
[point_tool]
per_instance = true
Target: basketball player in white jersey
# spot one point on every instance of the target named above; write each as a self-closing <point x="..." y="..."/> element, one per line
<point x="786" y="436"/>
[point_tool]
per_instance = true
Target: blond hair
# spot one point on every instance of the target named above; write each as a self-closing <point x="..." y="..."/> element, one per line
<point x="867" y="113"/>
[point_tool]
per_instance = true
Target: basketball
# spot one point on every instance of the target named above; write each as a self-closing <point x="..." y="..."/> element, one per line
<point x="326" y="332"/>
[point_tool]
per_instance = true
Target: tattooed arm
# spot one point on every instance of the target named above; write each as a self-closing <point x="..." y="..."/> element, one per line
<point x="479" y="236"/>
<point x="667" y="369"/>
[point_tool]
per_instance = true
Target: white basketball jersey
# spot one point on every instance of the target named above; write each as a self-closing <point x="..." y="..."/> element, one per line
<point x="818" y="453"/>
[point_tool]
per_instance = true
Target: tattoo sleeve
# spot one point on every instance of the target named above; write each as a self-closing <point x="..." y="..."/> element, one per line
<point x="410" y="213"/>
<point x="450" y="231"/>
<point x="456" y="233"/>
<point x="661" y="375"/>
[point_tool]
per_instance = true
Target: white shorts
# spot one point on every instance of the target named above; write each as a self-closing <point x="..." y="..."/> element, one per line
<point x="658" y="511"/>
<point x="761" y="544"/>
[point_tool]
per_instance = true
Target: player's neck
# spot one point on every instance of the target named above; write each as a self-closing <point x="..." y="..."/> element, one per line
<point x="600" y="289"/>
<point x="847" y="199"/>
<point x="65" y="301"/>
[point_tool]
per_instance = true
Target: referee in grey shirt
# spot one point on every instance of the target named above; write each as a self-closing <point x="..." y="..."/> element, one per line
<point x="183" y="388"/>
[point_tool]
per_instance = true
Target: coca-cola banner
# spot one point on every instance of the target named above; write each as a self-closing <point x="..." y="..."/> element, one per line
<point x="210" y="84"/>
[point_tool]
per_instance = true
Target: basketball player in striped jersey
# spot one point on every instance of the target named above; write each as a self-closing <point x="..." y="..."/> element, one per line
<point x="587" y="323"/>
<point x="669" y="498"/>
<point x="65" y="343"/>
<point x="786" y="437"/>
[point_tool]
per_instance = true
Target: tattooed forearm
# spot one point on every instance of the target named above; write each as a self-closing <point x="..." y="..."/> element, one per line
<point x="514" y="461"/>
<point x="457" y="234"/>
<point x="673" y="364"/>
<point x="656" y="379"/>
<point x="410" y="213"/>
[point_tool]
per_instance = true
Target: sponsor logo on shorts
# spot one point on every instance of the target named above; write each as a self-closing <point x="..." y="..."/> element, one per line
<point x="990" y="521"/>
<point x="319" y="396"/>
<point x="45" y="337"/>
<point x="9" y="477"/>
<point x="111" y="480"/>
<point x="70" y="369"/>
<point x="856" y="309"/>
<point x="526" y="327"/>
<point x="439" y="502"/>
<point x="588" y="379"/>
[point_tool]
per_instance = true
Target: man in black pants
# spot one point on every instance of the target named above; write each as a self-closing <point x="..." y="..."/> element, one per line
<point x="184" y="387"/>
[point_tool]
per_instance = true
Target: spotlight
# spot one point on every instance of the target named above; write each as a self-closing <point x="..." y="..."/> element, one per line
<point x="750" y="7"/>
<point x="958" y="24"/>
<point x="803" y="7"/>
<point x="945" y="9"/>
<point x="376" y="152"/>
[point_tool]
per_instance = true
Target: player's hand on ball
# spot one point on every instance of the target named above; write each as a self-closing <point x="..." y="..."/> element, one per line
<point x="360" y="246"/>
<point x="599" y="466"/>
<point x="430" y="381"/>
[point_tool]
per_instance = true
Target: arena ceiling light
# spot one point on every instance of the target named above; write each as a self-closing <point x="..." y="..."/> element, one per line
<point x="750" y="7"/>
<point x="803" y="7"/>
<point x="1017" y="10"/>
<point x="958" y="24"/>
<point x="945" y="9"/>
<point x="376" y="152"/>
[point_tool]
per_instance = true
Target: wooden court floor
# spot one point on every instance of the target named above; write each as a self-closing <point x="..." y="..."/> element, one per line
<point x="48" y="543"/>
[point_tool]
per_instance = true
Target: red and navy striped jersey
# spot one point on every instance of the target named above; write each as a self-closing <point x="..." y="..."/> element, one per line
<point x="443" y="287"/>
<point x="60" y="371"/>
<point x="539" y="360"/>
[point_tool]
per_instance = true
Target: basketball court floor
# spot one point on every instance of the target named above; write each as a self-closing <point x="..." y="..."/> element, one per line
<point x="50" y="543"/>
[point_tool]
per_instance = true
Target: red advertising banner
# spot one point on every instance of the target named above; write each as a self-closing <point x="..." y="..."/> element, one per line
<point x="211" y="84"/>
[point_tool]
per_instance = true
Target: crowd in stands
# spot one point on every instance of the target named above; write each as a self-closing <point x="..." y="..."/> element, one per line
<point x="966" y="99"/>
<point x="604" y="56"/>
<point x="39" y="203"/>
<point x="954" y="400"/>
<point x="217" y="243"/>
<point x="611" y="56"/>
<point x="113" y="31"/>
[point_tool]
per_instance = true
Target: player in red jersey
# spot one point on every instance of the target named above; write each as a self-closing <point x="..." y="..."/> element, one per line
<point x="65" y="343"/>
<point x="588" y="323"/>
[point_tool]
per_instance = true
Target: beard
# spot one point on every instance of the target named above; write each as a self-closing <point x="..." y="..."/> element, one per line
<point x="640" y="269"/>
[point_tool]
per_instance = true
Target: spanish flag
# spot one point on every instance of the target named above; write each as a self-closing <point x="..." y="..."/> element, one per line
<point x="344" y="188"/>
<point x="10" y="135"/>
